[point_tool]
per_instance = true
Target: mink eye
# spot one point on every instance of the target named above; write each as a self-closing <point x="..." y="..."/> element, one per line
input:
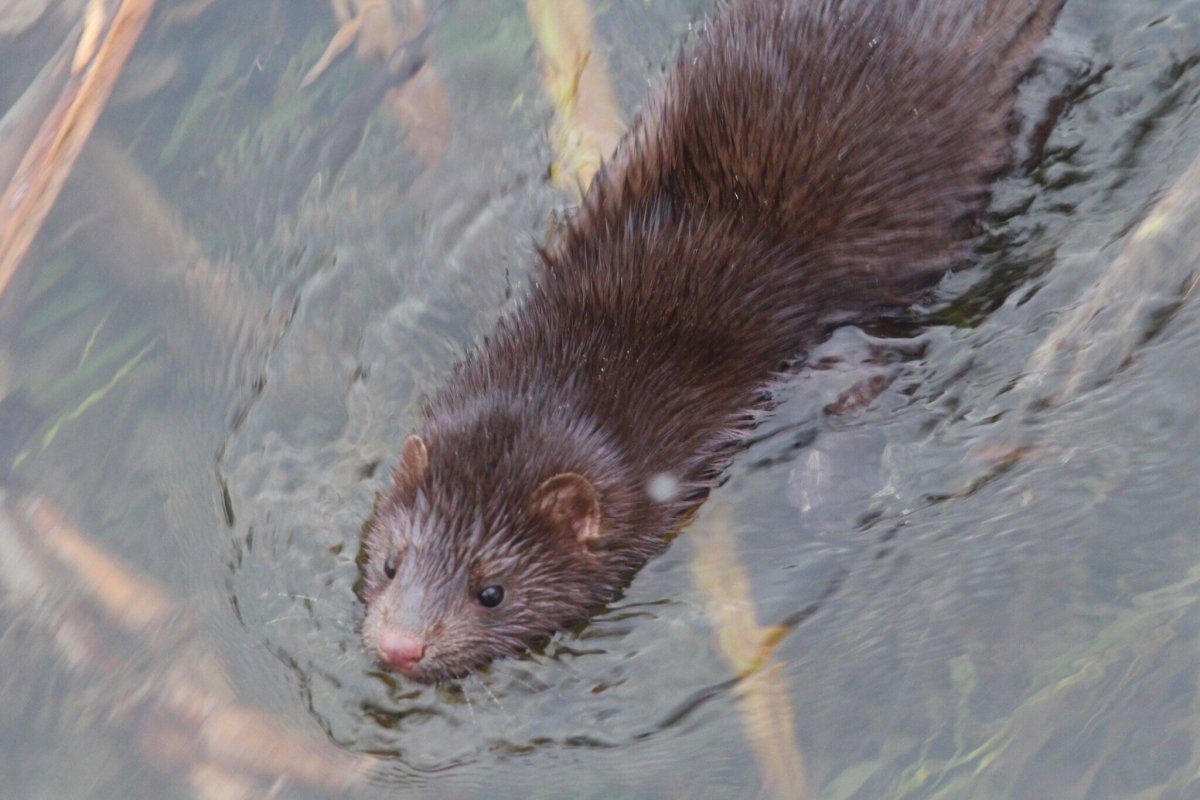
<point x="389" y="567"/>
<point x="491" y="596"/>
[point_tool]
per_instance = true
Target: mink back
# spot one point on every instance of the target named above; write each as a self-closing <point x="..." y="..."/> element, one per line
<point x="806" y="164"/>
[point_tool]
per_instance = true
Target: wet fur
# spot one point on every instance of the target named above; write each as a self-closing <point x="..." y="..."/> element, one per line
<point x="805" y="165"/>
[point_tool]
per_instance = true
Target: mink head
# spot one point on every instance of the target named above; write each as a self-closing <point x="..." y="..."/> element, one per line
<point x="492" y="537"/>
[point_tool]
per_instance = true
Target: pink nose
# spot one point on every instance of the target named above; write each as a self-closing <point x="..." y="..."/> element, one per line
<point x="400" y="649"/>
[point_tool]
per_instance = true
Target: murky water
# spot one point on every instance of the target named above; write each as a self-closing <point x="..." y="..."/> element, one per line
<point x="210" y="356"/>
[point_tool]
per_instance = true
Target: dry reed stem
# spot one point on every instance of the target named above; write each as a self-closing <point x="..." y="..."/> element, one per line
<point x="188" y="723"/>
<point x="587" y="119"/>
<point x="762" y="692"/>
<point x="42" y="172"/>
<point x="132" y="602"/>
<point x="1157" y="268"/>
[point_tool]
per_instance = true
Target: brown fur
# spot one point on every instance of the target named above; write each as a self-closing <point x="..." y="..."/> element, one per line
<point x="806" y="164"/>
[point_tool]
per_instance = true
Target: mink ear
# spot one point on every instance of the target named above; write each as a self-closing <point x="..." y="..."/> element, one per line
<point x="414" y="463"/>
<point x="569" y="503"/>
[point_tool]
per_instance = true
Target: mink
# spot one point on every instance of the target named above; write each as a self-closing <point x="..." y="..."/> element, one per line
<point x="806" y="164"/>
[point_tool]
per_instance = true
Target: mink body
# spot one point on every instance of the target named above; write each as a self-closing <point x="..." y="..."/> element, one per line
<point x="806" y="164"/>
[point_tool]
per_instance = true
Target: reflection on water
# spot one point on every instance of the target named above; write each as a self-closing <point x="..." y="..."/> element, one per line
<point x="209" y="356"/>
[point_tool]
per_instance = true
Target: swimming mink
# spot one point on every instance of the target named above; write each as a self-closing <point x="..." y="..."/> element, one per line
<point x="807" y="164"/>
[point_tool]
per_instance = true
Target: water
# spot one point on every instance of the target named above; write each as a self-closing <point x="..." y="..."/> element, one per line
<point x="215" y="348"/>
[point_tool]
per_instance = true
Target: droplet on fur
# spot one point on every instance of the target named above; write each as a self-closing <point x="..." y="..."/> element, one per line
<point x="663" y="487"/>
